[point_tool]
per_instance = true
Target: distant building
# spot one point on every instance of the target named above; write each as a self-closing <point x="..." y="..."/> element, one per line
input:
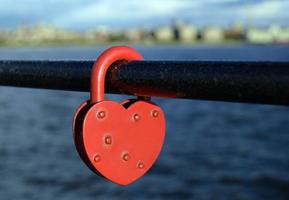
<point x="235" y="32"/>
<point x="185" y="32"/>
<point x="116" y="36"/>
<point x="259" y="36"/>
<point x="164" y="34"/>
<point x="134" y="35"/>
<point x="4" y="35"/>
<point x="213" y="35"/>
<point x="273" y="34"/>
<point x="148" y="36"/>
<point x="283" y="36"/>
<point x="100" y="34"/>
<point x="178" y="31"/>
<point x="280" y="34"/>
<point x="41" y="33"/>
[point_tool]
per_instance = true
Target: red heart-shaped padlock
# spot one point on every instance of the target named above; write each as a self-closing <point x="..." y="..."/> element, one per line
<point x="119" y="141"/>
<point x="78" y="127"/>
<point x="122" y="144"/>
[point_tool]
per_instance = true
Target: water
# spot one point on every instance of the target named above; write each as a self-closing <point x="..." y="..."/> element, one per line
<point x="213" y="150"/>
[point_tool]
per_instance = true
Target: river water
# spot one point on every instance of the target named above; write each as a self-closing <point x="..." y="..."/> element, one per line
<point x="213" y="150"/>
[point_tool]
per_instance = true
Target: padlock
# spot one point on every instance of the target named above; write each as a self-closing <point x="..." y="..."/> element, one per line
<point x="77" y="129"/>
<point x="119" y="141"/>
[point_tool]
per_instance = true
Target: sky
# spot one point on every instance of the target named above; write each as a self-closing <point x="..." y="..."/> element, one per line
<point x="87" y="14"/>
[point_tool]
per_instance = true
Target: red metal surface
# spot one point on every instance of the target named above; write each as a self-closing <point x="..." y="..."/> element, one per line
<point x="77" y="132"/>
<point x="101" y="65"/>
<point x="134" y="143"/>
<point x="119" y="141"/>
<point x="78" y="126"/>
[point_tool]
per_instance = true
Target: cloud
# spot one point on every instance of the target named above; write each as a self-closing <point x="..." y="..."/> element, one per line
<point x="121" y="12"/>
<point x="269" y="9"/>
<point x="81" y="14"/>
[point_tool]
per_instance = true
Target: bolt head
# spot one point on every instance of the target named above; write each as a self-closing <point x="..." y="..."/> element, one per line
<point x="108" y="140"/>
<point x="101" y="115"/>
<point x="140" y="165"/>
<point x="126" y="157"/>
<point x="136" y="117"/>
<point x="155" y="113"/>
<point x="96" y="158"/>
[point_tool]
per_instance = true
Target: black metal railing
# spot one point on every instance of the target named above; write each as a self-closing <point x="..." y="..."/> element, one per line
<point x="250" y="82"/>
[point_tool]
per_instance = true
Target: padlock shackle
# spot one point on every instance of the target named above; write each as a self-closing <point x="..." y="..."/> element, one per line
<point x="101" y="65"/>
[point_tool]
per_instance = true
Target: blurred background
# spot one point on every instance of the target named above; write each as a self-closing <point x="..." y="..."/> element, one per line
<point x="92" y="22"/>
<point x="213" y="150"/>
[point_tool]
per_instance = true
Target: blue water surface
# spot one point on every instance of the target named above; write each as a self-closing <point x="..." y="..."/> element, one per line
<point x="213" y="150"/>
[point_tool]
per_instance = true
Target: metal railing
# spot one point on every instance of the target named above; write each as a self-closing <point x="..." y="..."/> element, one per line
<point x="249" y="82"/>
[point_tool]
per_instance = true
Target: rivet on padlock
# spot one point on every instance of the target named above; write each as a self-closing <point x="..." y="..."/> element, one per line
<point x="119" y="141"/>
